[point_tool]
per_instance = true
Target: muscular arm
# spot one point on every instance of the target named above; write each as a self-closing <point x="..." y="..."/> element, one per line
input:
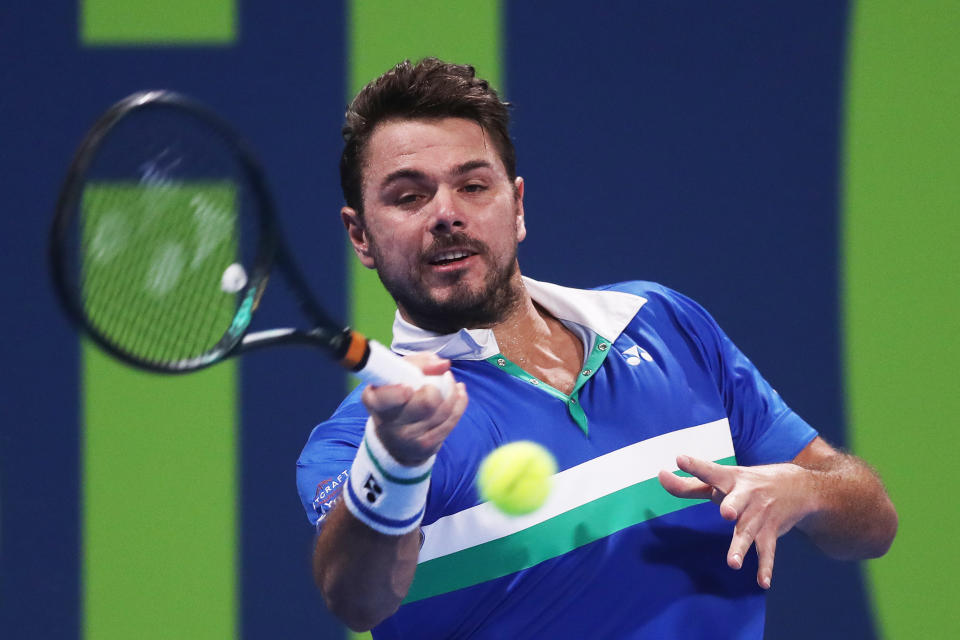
<point x="363" y="574"/>
<point x="833" y="497"/>
<point x="852" y="516"/>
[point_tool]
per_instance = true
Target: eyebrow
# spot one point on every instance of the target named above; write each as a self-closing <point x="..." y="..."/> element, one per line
<point x="467" y="167"/>
<point x="402" y="174"/>
<point x="414" y="174"/>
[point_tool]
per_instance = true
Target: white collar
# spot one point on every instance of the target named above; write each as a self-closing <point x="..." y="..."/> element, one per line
<point x="606" y="313"/>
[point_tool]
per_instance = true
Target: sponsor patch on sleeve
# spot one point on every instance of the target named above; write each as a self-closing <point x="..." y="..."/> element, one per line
<point x="328" y="492"/>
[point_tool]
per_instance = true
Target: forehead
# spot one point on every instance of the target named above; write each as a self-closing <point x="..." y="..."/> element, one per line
<point x="432" y="145"/>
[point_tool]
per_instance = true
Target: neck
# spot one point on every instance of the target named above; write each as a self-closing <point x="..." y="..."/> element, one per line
<point x="540" y="344"/>
<point x="527" y="323"/>
<point x="531" y="337"/>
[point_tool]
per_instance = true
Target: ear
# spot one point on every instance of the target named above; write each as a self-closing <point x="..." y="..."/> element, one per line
<point x="521" y="223"/>
<point x="357" y="232"/>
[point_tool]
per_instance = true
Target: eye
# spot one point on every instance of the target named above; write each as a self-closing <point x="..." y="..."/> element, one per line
<point x="406" y="199"/>
<point x="474" y="187"/>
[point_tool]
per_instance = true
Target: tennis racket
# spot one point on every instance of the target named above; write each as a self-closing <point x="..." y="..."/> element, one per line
<point x="163" y="241"/>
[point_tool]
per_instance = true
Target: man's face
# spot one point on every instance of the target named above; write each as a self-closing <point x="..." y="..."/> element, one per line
<point x="441" y="222"/>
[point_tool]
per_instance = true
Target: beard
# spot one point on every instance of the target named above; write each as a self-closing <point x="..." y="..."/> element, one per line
<point x="463" y="307"/>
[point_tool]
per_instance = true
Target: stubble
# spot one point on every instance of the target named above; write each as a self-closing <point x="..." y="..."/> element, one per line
<point x="463" y="307"/>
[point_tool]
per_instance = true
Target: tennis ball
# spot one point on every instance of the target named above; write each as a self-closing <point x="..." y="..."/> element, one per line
<point x="517" y="477"/>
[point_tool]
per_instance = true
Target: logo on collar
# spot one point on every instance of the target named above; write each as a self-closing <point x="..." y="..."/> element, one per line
<point x="634" y="355"/>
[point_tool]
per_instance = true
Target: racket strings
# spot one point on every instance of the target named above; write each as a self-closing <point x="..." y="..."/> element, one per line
<point x="157" y="234"/>
<point x="157" y="312"/>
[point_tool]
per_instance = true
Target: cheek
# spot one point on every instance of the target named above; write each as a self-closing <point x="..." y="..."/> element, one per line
<point x="399" y="249"/>
<point x="393" y="236"/>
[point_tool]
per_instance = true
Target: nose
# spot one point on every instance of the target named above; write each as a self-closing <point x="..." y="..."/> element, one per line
<point x="447" y="216"/>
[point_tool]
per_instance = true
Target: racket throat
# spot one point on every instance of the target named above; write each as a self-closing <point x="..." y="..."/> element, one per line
<point x="334" y="342"/>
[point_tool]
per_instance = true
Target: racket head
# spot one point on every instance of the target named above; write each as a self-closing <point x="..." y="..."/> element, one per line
<point x="164" y="234"/>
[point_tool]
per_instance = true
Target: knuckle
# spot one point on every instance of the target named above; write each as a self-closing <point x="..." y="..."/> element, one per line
<point x="428" y="448"/>
<point x="764" y="503"/>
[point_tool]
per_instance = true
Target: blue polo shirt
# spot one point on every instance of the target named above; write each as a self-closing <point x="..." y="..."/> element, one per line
<point x="611" y="553"/>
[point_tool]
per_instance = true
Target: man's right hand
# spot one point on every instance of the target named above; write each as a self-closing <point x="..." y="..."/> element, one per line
<point x="413" y="424"/>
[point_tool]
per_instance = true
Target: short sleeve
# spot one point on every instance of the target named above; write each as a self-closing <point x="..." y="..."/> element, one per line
<point x="324" y="464"/>
<point x="765" y="430"/>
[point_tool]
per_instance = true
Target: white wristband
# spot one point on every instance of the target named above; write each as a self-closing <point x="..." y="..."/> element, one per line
<point x="384" y="494"/>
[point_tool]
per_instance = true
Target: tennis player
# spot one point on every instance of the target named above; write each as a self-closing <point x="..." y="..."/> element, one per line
<point x="625" y="384"/>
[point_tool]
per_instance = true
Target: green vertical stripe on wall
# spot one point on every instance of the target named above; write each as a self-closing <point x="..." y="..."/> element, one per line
<point x="148" y="22"/>
<point x="159" y="486"/>
<point x="902" y="294"/>
<point x="159" y="502"/>
<point x="159" y="452"/>
<point x="383" y="33"/>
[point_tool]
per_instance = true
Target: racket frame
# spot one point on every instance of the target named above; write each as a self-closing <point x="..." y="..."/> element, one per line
<point x="337" y="341"/>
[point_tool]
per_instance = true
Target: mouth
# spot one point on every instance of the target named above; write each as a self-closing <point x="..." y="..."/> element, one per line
<point x="450" y="257"/>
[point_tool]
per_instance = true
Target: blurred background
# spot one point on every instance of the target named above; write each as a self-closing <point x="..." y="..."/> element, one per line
<point x="791" y="166"/>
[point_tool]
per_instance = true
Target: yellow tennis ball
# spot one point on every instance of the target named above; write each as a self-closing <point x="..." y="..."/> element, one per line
<point x="517" y="477"/>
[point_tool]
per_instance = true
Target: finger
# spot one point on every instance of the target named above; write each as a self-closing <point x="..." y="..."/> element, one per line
<point x="429" y="404"/>
<point x="720" y="476"/>
<point x="387" y="398"/>
<point x="435" y="407"/>
<point x="684" y="487"/>
<point x="430" y="363"/>
<point x="717" y="496"/>
<point x="427" y="411"/>
<point x="418" y="429"/>
<point x="733" y="504"/>
<point x="432" y="437"/>
<point x="766" y="545"/>
<point x="400" y="404"/>
<point x="743" y="536"/>
<point x="461" y="400"/>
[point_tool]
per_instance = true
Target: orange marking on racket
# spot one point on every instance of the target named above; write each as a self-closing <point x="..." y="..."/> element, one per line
<point x="356" y="350"/>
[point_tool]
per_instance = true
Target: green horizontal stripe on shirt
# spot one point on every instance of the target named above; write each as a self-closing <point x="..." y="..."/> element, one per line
<point x="549" y="539"/>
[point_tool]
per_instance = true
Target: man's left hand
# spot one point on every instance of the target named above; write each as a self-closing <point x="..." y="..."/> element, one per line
<point x="765" y="502"/>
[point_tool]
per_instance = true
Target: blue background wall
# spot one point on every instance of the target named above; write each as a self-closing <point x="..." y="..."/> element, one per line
<point x="696" y="144"/>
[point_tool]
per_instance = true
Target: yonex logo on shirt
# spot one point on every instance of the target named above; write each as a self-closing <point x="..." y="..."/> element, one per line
<point x="635" y="354"/>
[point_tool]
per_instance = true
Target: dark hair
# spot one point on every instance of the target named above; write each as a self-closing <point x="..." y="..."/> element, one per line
<point x="431" y="88"/>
